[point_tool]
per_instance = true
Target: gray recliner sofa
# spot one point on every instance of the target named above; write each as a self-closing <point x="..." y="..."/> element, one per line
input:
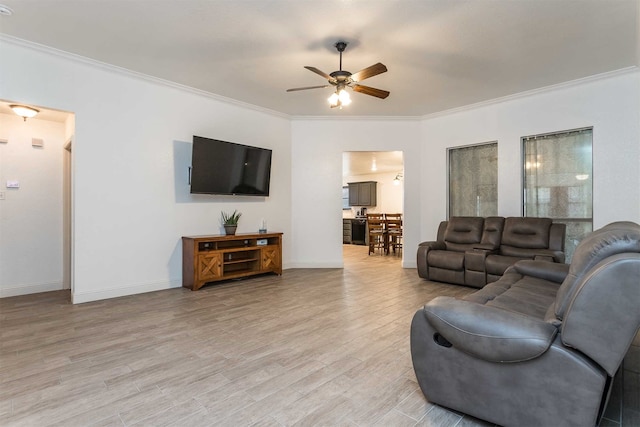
<point x="474" y="251"/>
<point x="541" y="345"/>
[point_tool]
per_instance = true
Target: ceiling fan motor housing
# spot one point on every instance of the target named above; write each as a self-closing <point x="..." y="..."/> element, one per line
<point x="340" y="75"/>
<point x="341" y="46"/>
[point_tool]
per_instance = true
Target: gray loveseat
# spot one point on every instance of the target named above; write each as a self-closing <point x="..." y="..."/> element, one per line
<point x="538" y="347"/>
<point x="474" y="251"/>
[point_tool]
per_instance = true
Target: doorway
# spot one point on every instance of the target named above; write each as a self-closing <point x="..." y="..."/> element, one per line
<point x="66" y="215"/>
<point x="35" y="158"/>
<point x="378" y="179"/>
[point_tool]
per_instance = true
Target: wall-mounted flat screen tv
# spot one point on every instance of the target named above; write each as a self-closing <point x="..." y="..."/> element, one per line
<point x="221" y="167"/>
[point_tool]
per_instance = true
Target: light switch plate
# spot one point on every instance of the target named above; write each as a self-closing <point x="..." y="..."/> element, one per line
<point x="1" y="195"/>
<point x="13" y="184"/>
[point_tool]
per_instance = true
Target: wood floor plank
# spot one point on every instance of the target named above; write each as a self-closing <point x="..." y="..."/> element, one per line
<point x="310" y="347"/>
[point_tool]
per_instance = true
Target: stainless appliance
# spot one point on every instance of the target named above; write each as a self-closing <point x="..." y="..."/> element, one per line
<point x="358" y="231"/>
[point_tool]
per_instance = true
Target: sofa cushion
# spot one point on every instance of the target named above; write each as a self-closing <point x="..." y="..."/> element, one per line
<point x="497" y="264"/>
<point x="530" y="233"/>
<point x="492" y="232"/>
<point x="464" y="229"/>
<point x="521" y="294"/>
<point x="446" y="259"/>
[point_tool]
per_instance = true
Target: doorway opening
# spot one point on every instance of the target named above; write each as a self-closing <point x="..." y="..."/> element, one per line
<point x="36" y="200"/>
<point x="372" y="183"/>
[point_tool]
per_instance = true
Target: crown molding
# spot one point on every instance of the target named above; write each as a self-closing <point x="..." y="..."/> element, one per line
<point x="188" y="89"/>
<point x="358" y="118"/>
<point x="538" y="91"/>
<point x="134" y="74"/>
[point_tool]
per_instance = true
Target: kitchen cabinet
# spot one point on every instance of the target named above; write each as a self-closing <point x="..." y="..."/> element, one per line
<point x="362" y="193"/>
<point x="354" y="231"/>
<point x="346" y="231"/>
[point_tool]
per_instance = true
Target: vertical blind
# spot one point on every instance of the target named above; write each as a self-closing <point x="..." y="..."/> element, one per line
<point x="558" y="181"/>
<point x="473" y="180"/>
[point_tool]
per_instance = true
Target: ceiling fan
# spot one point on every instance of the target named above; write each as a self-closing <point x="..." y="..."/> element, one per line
<point x="342" y="79"/>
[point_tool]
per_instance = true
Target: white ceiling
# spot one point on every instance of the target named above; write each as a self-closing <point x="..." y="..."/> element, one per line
<point x="362" y="162"/>
<point x="441" y="54"/>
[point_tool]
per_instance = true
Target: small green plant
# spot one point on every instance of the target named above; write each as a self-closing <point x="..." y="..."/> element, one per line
<point x="231" y="219"/>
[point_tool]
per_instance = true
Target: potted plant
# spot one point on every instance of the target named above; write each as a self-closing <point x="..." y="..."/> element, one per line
<point x="230" y="222"/>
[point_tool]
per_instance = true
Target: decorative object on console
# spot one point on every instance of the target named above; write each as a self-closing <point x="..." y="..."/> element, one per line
<point x="230" y="222"/>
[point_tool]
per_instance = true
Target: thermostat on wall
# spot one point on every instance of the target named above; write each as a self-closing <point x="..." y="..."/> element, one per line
<point x="13" y="184"/>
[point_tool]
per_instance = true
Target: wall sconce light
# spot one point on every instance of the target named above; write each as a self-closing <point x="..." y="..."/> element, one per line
<point x="24" y="111"/>
<point x="397" y="179"/>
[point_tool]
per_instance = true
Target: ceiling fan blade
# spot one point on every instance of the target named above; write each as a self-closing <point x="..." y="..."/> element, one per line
<point x="322" y="73"/>
<point x="305" y="88"/>
<point x="378" y="93"/>
<point x="371" y="71"/>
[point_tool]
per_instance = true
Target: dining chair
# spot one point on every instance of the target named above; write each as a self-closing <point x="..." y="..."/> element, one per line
<point x="394" y="232"/>
<point x="377" y="233"/>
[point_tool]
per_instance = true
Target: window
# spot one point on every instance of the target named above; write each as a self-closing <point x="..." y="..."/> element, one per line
<point x="473" y="180"/>
<point x="558" y="181"/>
<point x="345" y="198"/>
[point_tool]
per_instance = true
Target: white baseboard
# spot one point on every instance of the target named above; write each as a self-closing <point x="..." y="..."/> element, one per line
<point x="409" y="263"/>
<point x="81" y="297"/>
<point x="315" y="265"/>
<point x="26" y="289"/>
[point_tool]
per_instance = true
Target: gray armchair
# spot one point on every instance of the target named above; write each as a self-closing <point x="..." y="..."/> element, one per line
<point x="539" y="346"/>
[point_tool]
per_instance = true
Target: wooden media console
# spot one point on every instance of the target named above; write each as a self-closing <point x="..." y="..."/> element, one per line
<point x="218" y="257"/>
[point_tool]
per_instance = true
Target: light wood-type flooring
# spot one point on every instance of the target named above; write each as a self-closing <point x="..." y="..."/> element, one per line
<point x="325" y="347"/>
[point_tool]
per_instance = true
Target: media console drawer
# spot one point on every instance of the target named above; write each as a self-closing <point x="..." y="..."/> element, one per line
<point x="220" y="257"/>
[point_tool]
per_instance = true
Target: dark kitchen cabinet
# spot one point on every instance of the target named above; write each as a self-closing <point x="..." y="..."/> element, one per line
<point x="346" y="231"/>
<point x="362" y="193"/>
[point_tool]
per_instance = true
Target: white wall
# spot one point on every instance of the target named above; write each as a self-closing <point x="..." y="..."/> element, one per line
<point x="30" y="216"/>
<point x="132" y="149"/>
<point x="130" y="158"/>
<point x="388" y="195"/>
<point x="317" y="179"/>
<point x="610" y="105"/>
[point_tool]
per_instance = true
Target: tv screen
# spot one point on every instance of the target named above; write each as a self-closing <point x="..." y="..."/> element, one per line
<point x="220" y="167"/>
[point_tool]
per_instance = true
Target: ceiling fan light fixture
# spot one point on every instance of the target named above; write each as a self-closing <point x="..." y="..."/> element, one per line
<point x="334" y="99"/>
<point x="24" y="111"/>
<point x="344" y="97"/>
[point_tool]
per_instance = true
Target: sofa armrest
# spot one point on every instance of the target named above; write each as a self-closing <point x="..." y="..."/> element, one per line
<point x="549" y="255"/>
<point x="434" y="245"/>
<point x="422" y="254"/>
<point x="547" y="270"/>
<point x="486" y="247"/>
<point x="489" y="333"/>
